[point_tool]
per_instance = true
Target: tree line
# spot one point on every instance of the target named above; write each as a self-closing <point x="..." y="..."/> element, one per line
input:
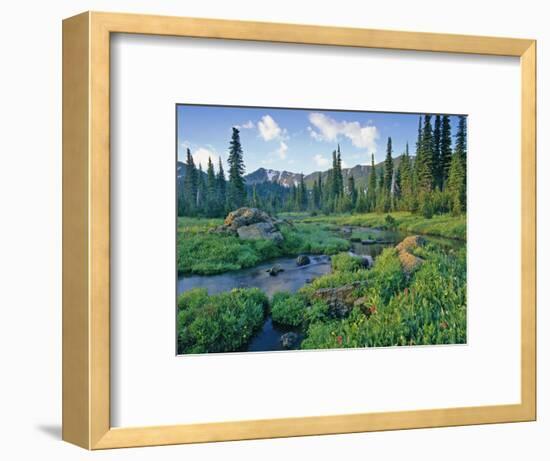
<point x="431" y="182"/>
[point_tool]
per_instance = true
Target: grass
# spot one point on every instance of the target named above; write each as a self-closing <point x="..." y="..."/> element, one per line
<point x="439" y="225"/>
<point x="205" y="253"/>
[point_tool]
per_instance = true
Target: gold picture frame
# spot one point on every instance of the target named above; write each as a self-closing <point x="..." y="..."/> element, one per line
<point x="86" y="230"/>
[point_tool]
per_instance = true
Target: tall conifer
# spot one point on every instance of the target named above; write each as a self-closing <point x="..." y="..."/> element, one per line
<point x="388" y="167"/>
<point x="446" y="148"/>
<point x="436" y="154"/>
<point x="236" y="187"/>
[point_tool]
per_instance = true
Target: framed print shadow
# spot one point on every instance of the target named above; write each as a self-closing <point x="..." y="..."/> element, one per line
<point x="344" y="233"/>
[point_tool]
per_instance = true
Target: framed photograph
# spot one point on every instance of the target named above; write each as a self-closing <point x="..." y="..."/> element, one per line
<point x="276" y="230"/>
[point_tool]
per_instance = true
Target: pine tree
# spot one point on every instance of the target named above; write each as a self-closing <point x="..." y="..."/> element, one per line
<point x="320" y="192"/>
<point x="362" y="205"/>
<point x="424" y="158"/>
<point x="446" y="149"/>
<point x="352" y="191"/>
<point x="221" y="188"/>
<point x="371" y="187"/>
<point x="338" y="174"/>
<point x="456" y="184"/>
<point x="314" y="196"/>
<point x="419" y="138"/>
<point x="302" y="194"/>
<point x="406" y="179"/>
<point x="396" y="188"/>
<point x="382" y="194"/>
<point x="190" y="185"/>
<point x="388" y="167"/>
<point x="255" y="201"/>
<point x="335" y="176"/>
<point x="436" y="154"/>
<point x="457" y="171"/>
<point x="201" y="191"/>
<point x="236" y="190"/>
<point x="461" y="140"/>
<point x="212" y="203"/>
<point x="293" y="199"/>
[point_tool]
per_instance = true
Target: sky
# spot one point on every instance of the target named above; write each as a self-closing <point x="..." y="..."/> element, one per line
<point x="296" y="140"/>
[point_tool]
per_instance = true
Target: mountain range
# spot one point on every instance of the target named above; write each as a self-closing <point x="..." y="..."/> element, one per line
<point x="288" y="179"/>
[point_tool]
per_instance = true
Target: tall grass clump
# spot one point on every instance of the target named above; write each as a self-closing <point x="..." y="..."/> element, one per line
<point x="288" y="309"/>
<point x="219" y="323"/>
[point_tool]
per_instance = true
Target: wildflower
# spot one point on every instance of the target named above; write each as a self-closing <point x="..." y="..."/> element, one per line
<point x="372" y="309"/>
<point x="443" y="325"/>
<point x="339" y="339"/>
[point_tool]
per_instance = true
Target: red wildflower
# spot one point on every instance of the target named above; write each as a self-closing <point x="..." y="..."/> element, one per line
<point x="372" y="309"/>
<point x="339" y="339"/>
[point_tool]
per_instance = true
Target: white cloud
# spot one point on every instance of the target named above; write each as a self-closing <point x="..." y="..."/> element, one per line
<point x="245" y="126"/>
<point x="321" y="161"/>
<point x="201" y="155"/>
<point x="327" y="129"/>
<point x="282" y="150"/>
<point x="269" y="129"/>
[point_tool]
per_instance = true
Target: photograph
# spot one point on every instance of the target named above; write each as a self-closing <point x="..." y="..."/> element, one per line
<point x="304" y="229"/>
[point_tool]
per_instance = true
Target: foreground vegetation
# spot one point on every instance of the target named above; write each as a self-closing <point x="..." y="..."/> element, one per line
<point x="390" y="306"/>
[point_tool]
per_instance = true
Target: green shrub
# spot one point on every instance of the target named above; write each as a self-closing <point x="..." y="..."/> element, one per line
<point x="334" y="280"/>
<point x="346" y="262"/>
<point x="219" y="323"/>
<point x="426" y="206"/>
<point x="386" y="277"/>
<point x="319" y="311"/>
<point x="288" y="309"/>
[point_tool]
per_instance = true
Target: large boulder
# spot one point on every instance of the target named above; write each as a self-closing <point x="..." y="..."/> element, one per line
<point x="302" y="260"/>
<point x="251" y="224"/>
<point x="367" y="261"/>
<point x="409" y="261"/>
<point x="260" y="231"/>
<point x="290" y="340"/>
<point x="340" y="300"/>
<point x="246" y="216"/>
<point x="274" y="270"/>
<point x="410" y="243"/>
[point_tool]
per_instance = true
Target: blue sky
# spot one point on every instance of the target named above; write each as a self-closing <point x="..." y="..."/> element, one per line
<point x="297" y="140"/>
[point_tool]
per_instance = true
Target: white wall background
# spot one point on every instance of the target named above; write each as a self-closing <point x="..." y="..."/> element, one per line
<point x="30" y="231"/>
